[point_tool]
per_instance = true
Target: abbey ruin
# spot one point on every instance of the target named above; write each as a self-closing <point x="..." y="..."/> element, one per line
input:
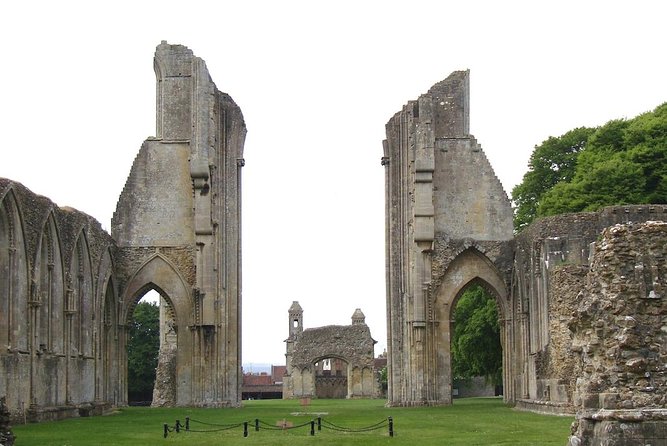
<point x="68" y="289"/>
<point x="580" y="297"/>
<point x="582" y="309"/>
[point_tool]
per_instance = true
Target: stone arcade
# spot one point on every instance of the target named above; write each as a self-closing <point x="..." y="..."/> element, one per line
<point x="68" y="289"/>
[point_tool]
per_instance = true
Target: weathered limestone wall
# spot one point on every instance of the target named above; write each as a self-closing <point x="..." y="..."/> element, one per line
<point x="620" y="335"/>
<point x="551" y="268"/>
<point x="177" y="225"/>
<point x="351" y="344"/>
<point x="58" y="315"/>
<point x="449" y="224"/>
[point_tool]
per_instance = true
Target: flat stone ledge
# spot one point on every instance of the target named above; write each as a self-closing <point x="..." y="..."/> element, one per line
<point x="628" y="415"/>
<point x="545" y="407"/>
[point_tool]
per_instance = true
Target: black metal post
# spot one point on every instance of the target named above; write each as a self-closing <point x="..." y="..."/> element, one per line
<point x="312" y="427"/>
<point x="187" y="423"/>
<point x="256" y="424"/>
<point x="166" y="430"/>
<point x="319" y="423"/>
<point x="391" y="426"/>
<point x="245" y="428"/>
<point x="178" y="426"/>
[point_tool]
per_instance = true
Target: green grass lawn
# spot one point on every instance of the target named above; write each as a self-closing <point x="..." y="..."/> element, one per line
<point x="473" y="421"/>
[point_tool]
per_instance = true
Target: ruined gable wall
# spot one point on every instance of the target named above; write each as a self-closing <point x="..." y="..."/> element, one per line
<point x="442" y="199"/>
<point x="182" y="203"/>
<point x="155" y="206"/>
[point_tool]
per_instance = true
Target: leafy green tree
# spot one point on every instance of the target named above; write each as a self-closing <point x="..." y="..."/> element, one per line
<point x="552" y="162"/>
<point x="475" y="343"/>
<point x="621" y="162"/>
<point x="142" y="351"/>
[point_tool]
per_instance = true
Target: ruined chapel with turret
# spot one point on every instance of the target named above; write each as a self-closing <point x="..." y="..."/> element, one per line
<point x="580" y="297"/>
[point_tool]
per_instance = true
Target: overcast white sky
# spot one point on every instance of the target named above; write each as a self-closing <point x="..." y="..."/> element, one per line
<point x="316" y="81"/>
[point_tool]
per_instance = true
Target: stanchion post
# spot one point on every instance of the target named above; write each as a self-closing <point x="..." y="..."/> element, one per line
<point x="391" y="426"/>
<point x="187" y="423"/>
<point x="312" y="427"/>
<point x="245" y="428"/>
<point x="319" y="423"/>
<point x="178" y="426"/>
<point x="166" y="430"/>
<point x="256" y="424"/>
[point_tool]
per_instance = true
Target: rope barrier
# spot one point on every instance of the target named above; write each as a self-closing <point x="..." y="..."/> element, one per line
<point x="259" y="424"/>
<point x="329" y="425"/>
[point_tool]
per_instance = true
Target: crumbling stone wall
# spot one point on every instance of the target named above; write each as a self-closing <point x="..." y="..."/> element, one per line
<point x="620" y="335"/>
<point x="352" y="344"/>
<point x="7" y="437"/>
<point x="552" y="263"/>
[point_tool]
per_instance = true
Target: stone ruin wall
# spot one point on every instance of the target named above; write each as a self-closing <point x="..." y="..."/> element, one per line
<point x="176" y="229"/>
<point x="351" y="343"/>
<point x="58" y="282"/>
<point x="620" y="338"/>
<point x="552" y="267"/>
<point x="445" y="206"/>
<point x="177" y="226"/>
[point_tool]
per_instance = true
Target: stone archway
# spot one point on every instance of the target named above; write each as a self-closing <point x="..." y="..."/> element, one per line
<point x="469" y="267"/>
<point x="331" y="377"/>
<point x="159" y="274"/>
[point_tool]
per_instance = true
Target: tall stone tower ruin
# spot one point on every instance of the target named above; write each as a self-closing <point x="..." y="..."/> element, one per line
<point x="449" y="224"/>
<point x="177" y="227"/>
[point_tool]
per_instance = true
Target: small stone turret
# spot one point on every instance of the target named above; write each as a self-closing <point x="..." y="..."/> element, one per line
<point x="358" y="318"/>
<point x="295" y="320"/>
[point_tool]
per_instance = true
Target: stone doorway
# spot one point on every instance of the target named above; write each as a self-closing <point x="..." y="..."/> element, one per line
<point x="143" y="346"/>
<point x="475" y="345"/>
<point x="331" y="378"/>
<point x="161" y="354"/>
<point x="471" y="268"/>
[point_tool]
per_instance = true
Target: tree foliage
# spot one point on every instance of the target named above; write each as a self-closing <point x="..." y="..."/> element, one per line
<point x="552" y="162"/>
<point x="475" y="344"/>
<point x="621" y="162"/>
<point x="142" y="351"/>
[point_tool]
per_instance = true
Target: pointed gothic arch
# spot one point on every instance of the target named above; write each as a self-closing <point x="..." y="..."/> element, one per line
<point x="81" y="297"/>
<point x="469" y="267"/>
<point x="48" y="279"/>
<point x="14" y="276"/>
<point x="160" y="274"/>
